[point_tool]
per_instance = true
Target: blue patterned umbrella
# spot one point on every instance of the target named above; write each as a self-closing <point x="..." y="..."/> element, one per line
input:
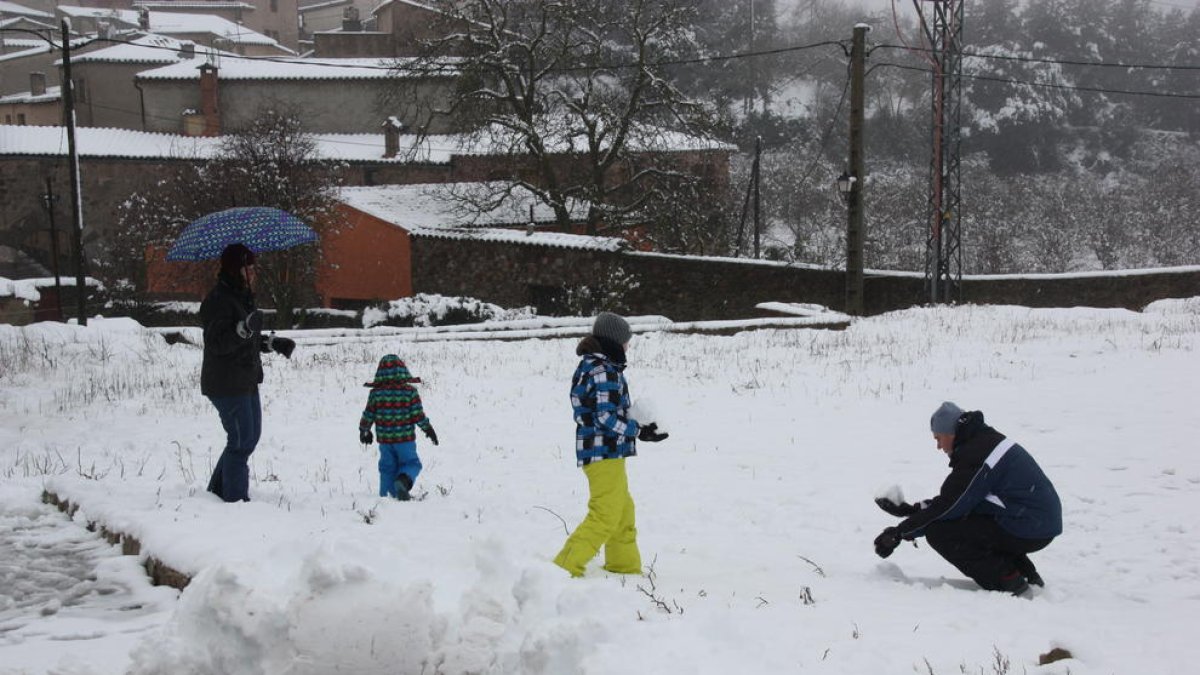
<point x="260" y="228"/>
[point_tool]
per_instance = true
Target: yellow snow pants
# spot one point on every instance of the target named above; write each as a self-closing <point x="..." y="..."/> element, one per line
<point x="609" y="523"/>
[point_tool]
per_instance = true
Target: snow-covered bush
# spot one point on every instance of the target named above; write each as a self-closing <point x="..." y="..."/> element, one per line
<point x="428" y="309"/>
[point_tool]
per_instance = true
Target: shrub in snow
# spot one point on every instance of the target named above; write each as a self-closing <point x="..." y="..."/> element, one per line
<point x="427" y="309"/>
<point x="608" y="294"/>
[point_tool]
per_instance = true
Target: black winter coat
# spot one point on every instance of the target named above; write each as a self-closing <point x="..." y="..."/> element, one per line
<point x="991" y="475"/>
<point x="232" y="364"/>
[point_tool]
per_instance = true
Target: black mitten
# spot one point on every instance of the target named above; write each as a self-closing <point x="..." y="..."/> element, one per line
<point x="431" y="434"/>
<point x="282" y="345"/>
<point x="249" y="325"/>
<point x="886" y="542"/>
<point x="650" y="434"/>
<point x="365" y="436"/>
<point x="901" y="510"/>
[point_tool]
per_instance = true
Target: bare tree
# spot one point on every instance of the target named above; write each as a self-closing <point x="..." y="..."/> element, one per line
<point x="271" y="162"/>
<point x="578" y="93"/>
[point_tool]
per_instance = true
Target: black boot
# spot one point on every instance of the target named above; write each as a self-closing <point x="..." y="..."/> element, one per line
<point x="1026" y="568"/>
<point x="403" y="485"/>
<point x="1014" y="583"/>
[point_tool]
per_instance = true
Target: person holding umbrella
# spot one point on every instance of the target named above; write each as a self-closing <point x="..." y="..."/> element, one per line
<point x="232" y="367"/>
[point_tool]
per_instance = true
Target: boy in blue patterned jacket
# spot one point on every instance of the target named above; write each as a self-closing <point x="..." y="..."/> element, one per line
<point x="604" y="436"/>
<point x="394" y="407"/>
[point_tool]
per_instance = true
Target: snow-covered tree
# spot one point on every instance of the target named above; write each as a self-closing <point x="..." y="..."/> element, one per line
<point x="577" y="92"/>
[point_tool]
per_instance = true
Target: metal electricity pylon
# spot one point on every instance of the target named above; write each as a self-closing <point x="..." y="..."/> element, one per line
<point x="942" y="30"/>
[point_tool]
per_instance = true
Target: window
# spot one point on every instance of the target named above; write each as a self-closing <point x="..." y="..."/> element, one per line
<point x="21" y="119"/>
<point x="8" y="119"/>
<point x="80" y="90"/>
<point x="274" y="5"/>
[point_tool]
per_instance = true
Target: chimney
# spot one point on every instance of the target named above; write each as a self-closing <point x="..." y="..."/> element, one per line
<point x="391" y="136"/>
<point x="144" y="18"/>
<point x="187" y="50"/>
<point x="37" y="84"/>
<point x="210" y="104"/>
<point x="350" y="20"/>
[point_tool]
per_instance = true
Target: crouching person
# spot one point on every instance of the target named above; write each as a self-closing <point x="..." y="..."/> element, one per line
<point x="995" y="508"/>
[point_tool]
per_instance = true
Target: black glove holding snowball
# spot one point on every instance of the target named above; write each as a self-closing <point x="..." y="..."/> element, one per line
<point x="886" y="542"/>
<point x="900" y="510"/>
<point x="365" y="436"/>
<point x="650" y="434"/>
<point x="250" y="325"/>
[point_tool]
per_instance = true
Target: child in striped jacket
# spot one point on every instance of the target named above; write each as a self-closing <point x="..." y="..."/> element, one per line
<point x="394" y="407"/>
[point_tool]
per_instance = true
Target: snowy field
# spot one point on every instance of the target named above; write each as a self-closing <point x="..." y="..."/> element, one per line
<point x="755" y="517"/>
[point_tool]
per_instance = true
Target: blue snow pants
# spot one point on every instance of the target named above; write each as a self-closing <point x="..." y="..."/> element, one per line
<point x="396" y="459"/>
<point x="241" y="416"/>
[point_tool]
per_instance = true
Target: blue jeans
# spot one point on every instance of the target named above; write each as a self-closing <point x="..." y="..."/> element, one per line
<point x="241" y="416"/>
<point x="396" y="459"/>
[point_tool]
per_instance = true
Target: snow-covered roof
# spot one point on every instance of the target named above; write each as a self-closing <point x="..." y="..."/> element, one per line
<point x="275" y="68"/>
<point x="176" y="23"/>
<point x="52" y="94"/>
<point x="98" y="142"/>
<point x="438" y="210"/>
<point x="44" y="48"/>
<point x="440" y="205"/>
<point x="410" y="3"/>
<point x="128" y="16"/>
<point x="172" y="5"/>
<point x="128" y="143"/>
<point x="148" y="49"/>
<point x="13" y="8"/>
<point x="641" y="138"/>
<point x="322" y="5"/>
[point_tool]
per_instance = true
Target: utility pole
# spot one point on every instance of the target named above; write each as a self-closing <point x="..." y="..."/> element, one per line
<point x="49" y="199"/>
<point x="854" y="201"/>
<point x="757" y="201"/>
<point x="68" y="93"/>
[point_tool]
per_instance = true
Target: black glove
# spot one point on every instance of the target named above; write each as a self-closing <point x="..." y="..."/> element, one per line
<point x="281" y="345"/>
<point x="365" y="436"/>
<point x="249" y="325"/>
<point x="649" y="433"/>
<point x="886" y="542"/>
<point x="431" y="434"/>
<point x="901" y="510"/>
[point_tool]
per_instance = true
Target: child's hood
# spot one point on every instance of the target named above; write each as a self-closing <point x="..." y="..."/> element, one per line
<point x="392" y="372"/>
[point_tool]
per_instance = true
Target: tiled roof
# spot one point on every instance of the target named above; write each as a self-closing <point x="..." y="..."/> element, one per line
<point x="95" y="142"/>
<point x="439" y="206"/>
<point x="275" y="68"/>
<point x="52" y="94"/>
<point x="13" y="8"/>
<point x="148" y="49"/>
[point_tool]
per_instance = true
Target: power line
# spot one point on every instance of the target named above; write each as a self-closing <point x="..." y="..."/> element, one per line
<point x="1068" y="62"/>
<point x="1050" y="85"/>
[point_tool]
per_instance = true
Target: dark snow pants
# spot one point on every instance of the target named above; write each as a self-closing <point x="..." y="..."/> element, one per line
<point x="983" y="550"/>
<point x="241" y="416"/>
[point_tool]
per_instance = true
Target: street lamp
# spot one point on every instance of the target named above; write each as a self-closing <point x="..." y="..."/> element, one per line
<point x="845" y="186"/>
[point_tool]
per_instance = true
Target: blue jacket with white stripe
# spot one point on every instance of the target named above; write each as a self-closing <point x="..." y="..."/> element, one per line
<point x="600" y="401"/>
<point x="991" y="475"/>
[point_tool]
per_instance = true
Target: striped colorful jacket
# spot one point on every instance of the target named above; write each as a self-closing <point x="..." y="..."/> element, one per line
<point x="394" y="406"/>
<point x="600" y="400"/>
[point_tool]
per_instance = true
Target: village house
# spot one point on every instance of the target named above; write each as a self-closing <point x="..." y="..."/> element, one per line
<point x="210" y="30"/>
<point x="40" y="106"/>
<point x="329" y="95"/>
<point x="392" y="28"/>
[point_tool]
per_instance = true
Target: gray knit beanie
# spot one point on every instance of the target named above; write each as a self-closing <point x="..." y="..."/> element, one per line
<point x="613" y="327"/>
<point x="945" y="418"/>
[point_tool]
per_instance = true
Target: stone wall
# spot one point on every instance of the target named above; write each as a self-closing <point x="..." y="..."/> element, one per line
<point x="693" y="289"/>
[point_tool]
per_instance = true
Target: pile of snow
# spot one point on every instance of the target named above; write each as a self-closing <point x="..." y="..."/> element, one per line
<point x="430" y="309"/>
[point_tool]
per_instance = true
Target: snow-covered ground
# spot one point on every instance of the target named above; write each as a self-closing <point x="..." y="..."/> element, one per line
<point x="755" y="516"/>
